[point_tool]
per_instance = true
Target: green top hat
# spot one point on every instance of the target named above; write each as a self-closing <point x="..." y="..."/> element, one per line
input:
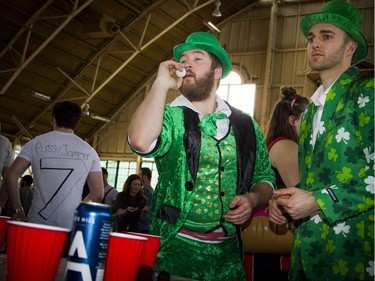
<point x="206" y="42"/>
<point x="343" y="15"/>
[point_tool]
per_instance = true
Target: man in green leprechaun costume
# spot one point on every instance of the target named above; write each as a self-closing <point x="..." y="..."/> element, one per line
<point x="212" y="161"/>
<point x="334" y="206"/>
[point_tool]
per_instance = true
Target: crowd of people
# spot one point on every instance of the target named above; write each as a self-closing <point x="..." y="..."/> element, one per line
<point x="65" y="171"/>
<point x="314" y="165"/>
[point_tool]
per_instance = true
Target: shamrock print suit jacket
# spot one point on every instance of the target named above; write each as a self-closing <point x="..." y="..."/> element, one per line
<point x="337" y="243"/>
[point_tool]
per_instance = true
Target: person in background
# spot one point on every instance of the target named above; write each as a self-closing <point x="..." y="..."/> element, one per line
<point x="110" y="193"/>
<point x="283" y="134"/>
<point x="85" y="191"/>
<point x="131" y="205"/>
<point x="26" y="192"/>
<point x="334" y="202"/>
<point x="6" y="159"/>
<point x="145" y="174"/>
<point x="61" y="162"/>
<point x="212" y="162"/>
<point x="282" y="143"/>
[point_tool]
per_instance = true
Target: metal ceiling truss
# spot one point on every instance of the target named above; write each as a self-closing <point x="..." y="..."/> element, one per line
<point x="138" y="47"/>
<point x="24" y="61"/>
<point x="29" y="26"/>
<point x="121" y="34"/>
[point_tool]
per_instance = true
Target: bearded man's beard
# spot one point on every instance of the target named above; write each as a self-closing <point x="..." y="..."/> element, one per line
<point x="201" y="89"/>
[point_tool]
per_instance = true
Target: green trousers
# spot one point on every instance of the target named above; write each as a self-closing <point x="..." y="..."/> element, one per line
<point x="201" y="261"/>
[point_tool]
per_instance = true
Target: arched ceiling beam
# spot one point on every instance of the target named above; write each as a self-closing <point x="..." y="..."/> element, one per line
<point x="23" y="29"/>
<point x="97" y="57"/>
<point x="43" y="45"/>
<point x="23" y="129"/>
<point x="115" y="72"/>
<point x="147" y="13"/>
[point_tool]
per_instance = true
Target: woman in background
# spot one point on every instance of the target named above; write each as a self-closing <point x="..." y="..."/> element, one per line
<point x="282" y="136"/>
<point x="282" y="143"/>
<point x="131" y="205"/>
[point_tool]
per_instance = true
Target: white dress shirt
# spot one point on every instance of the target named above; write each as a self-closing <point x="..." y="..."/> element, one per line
<point x="319" y="99"/>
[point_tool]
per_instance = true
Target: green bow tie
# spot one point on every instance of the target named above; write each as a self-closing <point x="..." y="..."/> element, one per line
<point x="208" y="123"/>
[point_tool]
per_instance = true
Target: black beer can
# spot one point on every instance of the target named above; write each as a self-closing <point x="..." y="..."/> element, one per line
<point x="89" y="242"/>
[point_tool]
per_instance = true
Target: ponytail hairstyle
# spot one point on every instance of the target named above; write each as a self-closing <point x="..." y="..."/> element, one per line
<point x="291" y="104"/>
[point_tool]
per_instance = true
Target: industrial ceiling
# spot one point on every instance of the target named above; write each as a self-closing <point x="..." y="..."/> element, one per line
<point x="99" y="53"/>
<point x="96" y="52"/>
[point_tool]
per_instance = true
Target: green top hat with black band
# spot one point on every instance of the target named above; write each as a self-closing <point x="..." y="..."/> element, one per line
<point x="206" y="42"/>
<point x="343" y="15"/>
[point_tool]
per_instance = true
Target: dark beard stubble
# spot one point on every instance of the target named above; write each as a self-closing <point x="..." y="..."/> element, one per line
<point x="201" y="89"/>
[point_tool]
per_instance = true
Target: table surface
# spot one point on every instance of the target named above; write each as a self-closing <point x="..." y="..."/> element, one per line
<point x="61" y="271"/>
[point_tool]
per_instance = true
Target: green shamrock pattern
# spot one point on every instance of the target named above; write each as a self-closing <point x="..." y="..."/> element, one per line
<point x="337" y="243"/>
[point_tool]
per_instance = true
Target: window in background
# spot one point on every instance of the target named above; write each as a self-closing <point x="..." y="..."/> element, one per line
<point x="125" y="169"/>
<point x="119" y="171"/>
<point x="112" y="167"/>
<point x="239" y="95"/>
<point x="17" y="150"/>
<point x="149" y="163"/>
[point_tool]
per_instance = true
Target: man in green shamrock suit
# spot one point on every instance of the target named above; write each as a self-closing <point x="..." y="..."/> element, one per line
<point x="334" y="206"/>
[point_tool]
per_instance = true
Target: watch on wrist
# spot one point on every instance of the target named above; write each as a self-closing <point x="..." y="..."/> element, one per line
<point x="18" y="210"/>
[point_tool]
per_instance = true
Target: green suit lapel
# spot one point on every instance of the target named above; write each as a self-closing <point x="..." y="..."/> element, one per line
<point x="333" y="105"/>
<point x="305" y="148"/>
<point x="331" y="114"/>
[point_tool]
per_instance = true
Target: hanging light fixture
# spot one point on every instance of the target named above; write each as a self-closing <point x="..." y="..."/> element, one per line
<point x="40" y="96"/>
<point x="87" y="112"/>
<point x="216" y="12"/>
<point x="211" y="26"/>
<point x="99" y="117"/>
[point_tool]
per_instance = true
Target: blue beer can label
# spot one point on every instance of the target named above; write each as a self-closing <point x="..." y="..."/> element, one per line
<point x="89" y="242"/>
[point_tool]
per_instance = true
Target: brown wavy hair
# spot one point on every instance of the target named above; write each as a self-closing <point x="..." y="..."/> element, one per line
<point x="291" y="104"/>
<point x="126" y="194"/>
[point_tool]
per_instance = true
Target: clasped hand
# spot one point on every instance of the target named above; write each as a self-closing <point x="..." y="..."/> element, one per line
<point x="132" y="209"/>
<point x="298" y="203"/>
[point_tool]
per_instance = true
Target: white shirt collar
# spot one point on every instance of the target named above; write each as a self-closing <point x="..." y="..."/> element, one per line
<point x="319" y="96"/>
<point x="222" y="106"/>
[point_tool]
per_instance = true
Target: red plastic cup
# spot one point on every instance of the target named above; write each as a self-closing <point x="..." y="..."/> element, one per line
<point x="150" y="251"/>
<point x="3" y="229"/>
<point x="34" y="250"/>
<point x="123" y="256"/>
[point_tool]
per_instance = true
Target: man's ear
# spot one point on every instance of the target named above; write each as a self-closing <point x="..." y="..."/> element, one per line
<point x="218" y="73"/>
<point x="53" y="122"/>
<point x="351" y="47"/>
